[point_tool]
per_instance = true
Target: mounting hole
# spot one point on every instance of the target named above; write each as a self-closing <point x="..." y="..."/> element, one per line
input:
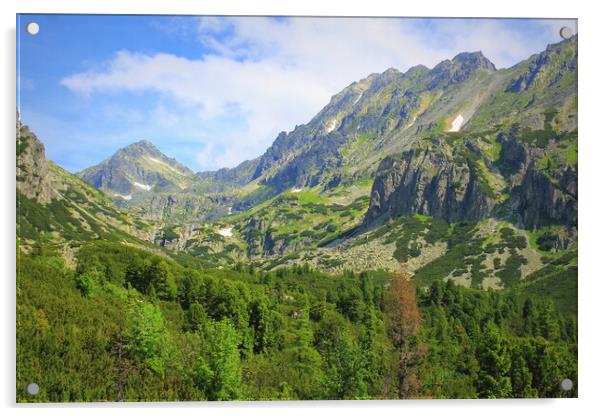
<point x="32" y="28"/>
<point x="566" y="32"/>
<point x="32" y="389"/>
<point x="566" y="384"/>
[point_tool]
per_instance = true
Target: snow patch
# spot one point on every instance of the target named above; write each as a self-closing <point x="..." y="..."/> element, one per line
<point x="331" y="126"/>
<point x="225" y="232"/>
<point x="229" y="210"/>
<point x="412" y="122"/>
<point x="359" y="97"/>
<point x="457" y="123"/>
<point x="143" y="186"/>
<point x="296" y="190"/>
<point x="126" y="197"/>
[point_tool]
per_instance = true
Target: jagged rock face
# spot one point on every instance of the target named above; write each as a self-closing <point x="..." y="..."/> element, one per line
<point x="546" y="68"/>
<point x="459" y="69"/>
<point x="428" y="183"/>
<point x="177" y="243"/>
<point x="257" y="237"/>
<point x="33" y="178"/>
<point x="444" y="183"/>
<point x="261" y="241"/>
<point x="538" y="198"/>
<point x="540" y="201"/>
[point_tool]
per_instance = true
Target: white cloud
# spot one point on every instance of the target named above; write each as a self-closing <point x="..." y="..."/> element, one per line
<point x="266" y="75"/>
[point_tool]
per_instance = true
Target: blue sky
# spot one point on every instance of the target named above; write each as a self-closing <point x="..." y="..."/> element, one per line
<point x="214" y="91"/>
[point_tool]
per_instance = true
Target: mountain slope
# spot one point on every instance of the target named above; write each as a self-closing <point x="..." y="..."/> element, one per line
<point x="368" y="118"/>
<point x="379" y="116"/>
<point x="477" y="176"/>
<point x="392" y="158"/>
<point x="54" y="205"/>
<point x="387" y="113"/>
<point x="135" y="169"/>
<point x="141" y="178"/>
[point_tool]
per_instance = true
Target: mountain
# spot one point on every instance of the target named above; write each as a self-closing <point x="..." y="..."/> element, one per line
<point x="344" y="144"/>
<point x="416" y="239"/>
<point x="56" y="206"/>
<point x="385" y="171"/>
<point x="136" y="169"/>
<point x="141" y="178"/>
<point x="433" y="148"/>
<point x="521" y="164"/>
<point x="371" y="118"/>
<point x="355" y="136"/>
<point x="388" y="113"/>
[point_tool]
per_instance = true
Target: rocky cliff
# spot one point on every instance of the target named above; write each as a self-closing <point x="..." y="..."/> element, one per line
<point x="33" y="176"/>
<point x="475" y="177"/>
<point x="541" y="183"/>
<point x="435" y="179"/>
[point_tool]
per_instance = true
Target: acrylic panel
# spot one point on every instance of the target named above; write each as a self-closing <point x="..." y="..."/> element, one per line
<point x="295" y="208"/>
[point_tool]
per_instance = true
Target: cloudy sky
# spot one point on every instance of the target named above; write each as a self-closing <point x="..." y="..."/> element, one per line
<point x="213" y="91"/>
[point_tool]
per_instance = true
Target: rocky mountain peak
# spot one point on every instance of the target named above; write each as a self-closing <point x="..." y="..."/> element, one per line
<point x="462" y="67"/>
<point x="135" y="169"/>
<point x="390" y="72"/>
<point x="141" y="148"/>
<point x="416" y="70"/>
<point x="385" y="78"/>
<point x="473" y="60"/>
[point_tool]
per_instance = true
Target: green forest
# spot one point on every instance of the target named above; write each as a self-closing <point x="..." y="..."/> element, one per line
<point x="130" y="325"/>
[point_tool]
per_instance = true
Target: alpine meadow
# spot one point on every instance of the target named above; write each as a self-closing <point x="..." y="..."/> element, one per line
<point x="416" y="238"/>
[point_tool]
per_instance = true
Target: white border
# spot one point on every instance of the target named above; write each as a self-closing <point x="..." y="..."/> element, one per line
<point x="590" y="157"/>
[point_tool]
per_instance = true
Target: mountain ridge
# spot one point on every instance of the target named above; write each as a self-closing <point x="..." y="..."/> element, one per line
<point x="386" y="114"/>
<point x="388" y="156"/>
<point x="136" y="168"/>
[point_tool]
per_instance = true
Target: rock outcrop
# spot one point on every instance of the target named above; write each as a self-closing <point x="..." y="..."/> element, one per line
<point x="459" y="69"/>
<point x="460" y="183"/>
<point x="33" y="177"/>
<point x="429" y="182"/>
<point x="539" y="196"/>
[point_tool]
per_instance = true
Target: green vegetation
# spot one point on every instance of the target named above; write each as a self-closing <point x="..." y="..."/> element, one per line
<point x="221" y="335"/>
<point x="290" y="334"/>
<point x="511" y="347"/>
<point x="405" y="238"/>
<point x="170" y="233"/>
<point x="300" y="219"/>
<point x="257" y="196"/>
<point x="463" y="246"/>
<point x="308" y="197"/>
<point x="238" y="307"/>
<point x="557" y="281"/>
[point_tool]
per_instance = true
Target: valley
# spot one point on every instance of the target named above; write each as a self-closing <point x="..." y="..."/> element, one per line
<point x="452" y="190"/>
<point x="461" y="142"/>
